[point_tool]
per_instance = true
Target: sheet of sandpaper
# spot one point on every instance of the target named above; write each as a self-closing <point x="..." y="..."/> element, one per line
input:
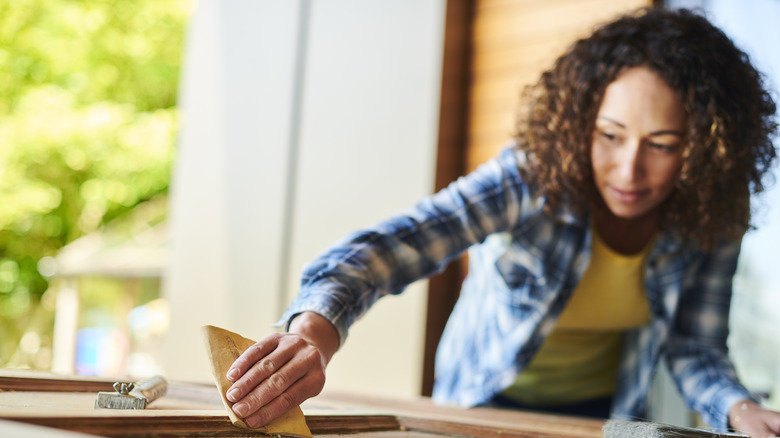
<point x="224" y="347"/>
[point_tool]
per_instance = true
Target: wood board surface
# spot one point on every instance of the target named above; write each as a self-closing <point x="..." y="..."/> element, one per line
<point x="196" y="410"/>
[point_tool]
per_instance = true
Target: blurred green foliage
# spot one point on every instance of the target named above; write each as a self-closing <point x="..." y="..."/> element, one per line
<point x="88" y="123"/>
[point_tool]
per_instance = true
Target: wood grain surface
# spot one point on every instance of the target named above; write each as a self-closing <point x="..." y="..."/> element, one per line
<point x="196" y="410"/>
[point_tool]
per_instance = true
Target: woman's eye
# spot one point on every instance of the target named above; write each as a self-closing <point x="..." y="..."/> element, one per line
<point x="662" y="147"/>
<point x="608" y="136"/>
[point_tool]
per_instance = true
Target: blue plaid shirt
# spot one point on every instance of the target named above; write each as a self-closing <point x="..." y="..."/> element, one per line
<point x="524" y="265"/>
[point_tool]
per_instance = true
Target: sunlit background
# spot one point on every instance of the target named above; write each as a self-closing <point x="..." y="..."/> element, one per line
<point x="88" y="123"/>
<point x="91" y="130"/>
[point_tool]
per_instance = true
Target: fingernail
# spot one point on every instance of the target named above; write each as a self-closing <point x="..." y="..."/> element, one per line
<point x="234" y="394"/>
<point x="240" y="409"/>
<point x="232" y="374"/>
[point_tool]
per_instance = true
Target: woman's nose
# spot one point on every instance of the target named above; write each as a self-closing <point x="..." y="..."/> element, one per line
<point x="630" y="162"/>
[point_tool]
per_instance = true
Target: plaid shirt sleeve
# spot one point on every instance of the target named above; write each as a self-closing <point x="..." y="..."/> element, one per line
<point x="696" y="352"/>
<point x="343" y="282"/>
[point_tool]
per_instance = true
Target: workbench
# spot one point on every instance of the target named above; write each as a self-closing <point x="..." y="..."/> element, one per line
<point x="55" y="406"/>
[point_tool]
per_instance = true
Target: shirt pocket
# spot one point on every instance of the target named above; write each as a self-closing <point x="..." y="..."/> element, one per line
<point x="523" y="274"/>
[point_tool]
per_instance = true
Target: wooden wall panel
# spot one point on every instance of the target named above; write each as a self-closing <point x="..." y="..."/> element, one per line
<point x="513" y="41"/>
<point x="450" y="164"/>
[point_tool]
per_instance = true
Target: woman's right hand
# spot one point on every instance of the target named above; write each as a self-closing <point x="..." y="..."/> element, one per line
<point x="282" y="370"/>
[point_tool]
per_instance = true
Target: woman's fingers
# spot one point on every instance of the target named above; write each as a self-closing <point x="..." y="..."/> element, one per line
<point x="308" y="386"/>
<point x="258" y="363"/>
<point x="275" y="375"/>
<point x="252" y="355"/>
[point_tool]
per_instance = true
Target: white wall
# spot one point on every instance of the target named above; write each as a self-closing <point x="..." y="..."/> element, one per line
<point x="302" y="121"/>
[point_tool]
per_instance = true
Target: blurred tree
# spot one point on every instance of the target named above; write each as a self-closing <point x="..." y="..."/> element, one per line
<point x="88" y="123"/>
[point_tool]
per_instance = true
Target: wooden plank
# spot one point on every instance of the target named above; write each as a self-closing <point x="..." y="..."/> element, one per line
<point x="179" y="424"/>
<point x="450" y="428"/>
<point x="422" y="414"/>
<point x="328" y="414"/>
<point x="384" y="434"/>
<point x="15" y="429"/>
<point x="198" y="395"/>
<point x="12" y="380"/>
<point x="76" y="412"/>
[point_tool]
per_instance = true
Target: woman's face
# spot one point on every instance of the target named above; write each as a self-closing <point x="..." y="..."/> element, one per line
<point x="637" y="143"/>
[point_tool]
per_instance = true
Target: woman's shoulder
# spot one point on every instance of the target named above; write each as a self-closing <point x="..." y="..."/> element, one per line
<point x="515" y="162"/>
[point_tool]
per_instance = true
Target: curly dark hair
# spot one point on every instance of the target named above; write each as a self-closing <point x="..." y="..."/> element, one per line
<point x="728" y="146"/>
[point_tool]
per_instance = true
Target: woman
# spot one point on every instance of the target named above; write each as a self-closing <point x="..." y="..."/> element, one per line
<point x="602" y="241"/>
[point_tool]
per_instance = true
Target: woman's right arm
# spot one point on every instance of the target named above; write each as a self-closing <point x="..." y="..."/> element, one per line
<point x="282" y="370"/>
<point x="348" y="278"/>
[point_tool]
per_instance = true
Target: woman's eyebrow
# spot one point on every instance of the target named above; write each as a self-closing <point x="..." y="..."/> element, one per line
<point x="652" y="134"/>
<point x="666" y="132"/>
<point x="615" y="122"/>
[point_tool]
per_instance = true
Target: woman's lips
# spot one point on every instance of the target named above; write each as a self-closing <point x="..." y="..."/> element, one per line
<point x="628" y="196"/>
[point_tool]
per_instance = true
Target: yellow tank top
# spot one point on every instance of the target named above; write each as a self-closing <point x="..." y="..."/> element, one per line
<point x="579" y="359"/>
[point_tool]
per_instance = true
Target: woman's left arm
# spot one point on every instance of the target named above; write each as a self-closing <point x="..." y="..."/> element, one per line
<point x="697" y="351"/>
